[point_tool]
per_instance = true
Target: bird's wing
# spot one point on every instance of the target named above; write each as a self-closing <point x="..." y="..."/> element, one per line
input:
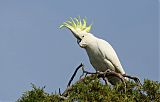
<point x="110" y="55"/>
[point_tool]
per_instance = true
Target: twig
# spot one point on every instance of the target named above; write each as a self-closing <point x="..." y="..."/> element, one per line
<point x="86" y="72"/>
<point x="106" y="80"/>
<point x="60" y="91"/>
<point x="75" y="72"/>
<point x="134" y="78"/>
<point x="62" y="97"/>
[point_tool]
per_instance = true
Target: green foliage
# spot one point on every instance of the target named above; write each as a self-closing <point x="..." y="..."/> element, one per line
<point x="92" y="89"/>
<point x="37" y="95"/>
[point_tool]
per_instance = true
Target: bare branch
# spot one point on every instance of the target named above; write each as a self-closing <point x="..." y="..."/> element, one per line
<point x="136" y="79"/>
<point x="60" y="91"/>
<point x="102" y="75"/>
<point x="62" y="97"/>
<point x="75" y="72"/>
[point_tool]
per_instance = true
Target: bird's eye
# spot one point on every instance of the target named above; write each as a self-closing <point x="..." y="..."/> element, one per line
<point x="83" y="36"/>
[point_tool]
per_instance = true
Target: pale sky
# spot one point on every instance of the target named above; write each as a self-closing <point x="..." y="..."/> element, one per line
<point x="34" y="50"/>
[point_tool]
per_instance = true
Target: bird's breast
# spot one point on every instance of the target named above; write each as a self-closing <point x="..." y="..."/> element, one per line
<point x="96" y="58"/>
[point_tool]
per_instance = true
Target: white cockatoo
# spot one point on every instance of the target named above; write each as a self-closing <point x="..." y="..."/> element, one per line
<point x="101" y="54"/>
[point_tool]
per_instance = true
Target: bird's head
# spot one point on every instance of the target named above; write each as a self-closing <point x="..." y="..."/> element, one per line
<point x="78" y="27"/>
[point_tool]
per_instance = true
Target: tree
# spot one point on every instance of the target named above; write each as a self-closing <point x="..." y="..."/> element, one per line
<point x="93" y="90"/>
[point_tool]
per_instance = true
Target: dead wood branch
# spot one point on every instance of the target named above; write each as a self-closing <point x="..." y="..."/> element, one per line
<point x="102" y="75"/>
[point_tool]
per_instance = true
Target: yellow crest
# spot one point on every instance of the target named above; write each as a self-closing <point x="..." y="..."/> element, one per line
<point x="76" y="24"/>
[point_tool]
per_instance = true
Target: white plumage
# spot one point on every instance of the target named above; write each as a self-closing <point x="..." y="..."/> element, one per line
<point x="101" y="54"/>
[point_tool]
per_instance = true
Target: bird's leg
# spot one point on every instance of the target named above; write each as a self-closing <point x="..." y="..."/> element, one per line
<point x="103" y="76"/>
<point x="109" y="72"/>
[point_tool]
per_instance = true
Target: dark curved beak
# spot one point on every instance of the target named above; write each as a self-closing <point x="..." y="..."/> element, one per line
<point x="78" y="41"/>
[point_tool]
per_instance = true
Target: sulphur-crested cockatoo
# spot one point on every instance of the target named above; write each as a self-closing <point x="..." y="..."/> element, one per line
<point x="101" y="54"/>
